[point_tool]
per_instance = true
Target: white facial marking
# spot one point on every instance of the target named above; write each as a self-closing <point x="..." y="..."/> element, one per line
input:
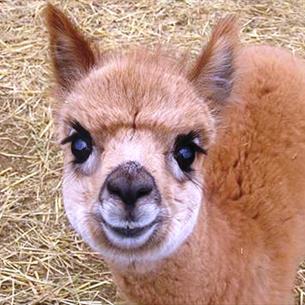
<point x="181" y="212"/>
<point x="175" y="168"/>
<point x="89" y="166"/>
<point x="75" y="208"/>
<point x="181" y="226"/>
<point x="130" y="150"/>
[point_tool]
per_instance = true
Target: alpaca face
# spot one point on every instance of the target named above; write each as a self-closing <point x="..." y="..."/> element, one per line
<point x="134" y="144"/>
<point x="135" y="129"/>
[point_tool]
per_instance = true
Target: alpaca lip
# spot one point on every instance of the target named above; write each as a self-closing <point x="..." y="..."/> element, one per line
<point x="128" y="232"/>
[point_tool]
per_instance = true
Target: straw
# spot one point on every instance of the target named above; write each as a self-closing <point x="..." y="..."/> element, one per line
<point x="42" y="261"/>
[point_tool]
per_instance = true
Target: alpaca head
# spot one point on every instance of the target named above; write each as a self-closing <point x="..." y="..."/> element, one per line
<point x="135" y="129"/>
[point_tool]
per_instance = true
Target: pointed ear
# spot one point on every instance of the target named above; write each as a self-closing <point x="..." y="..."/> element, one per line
<point x="72" y="56"/>
<point x="213" y="72"/>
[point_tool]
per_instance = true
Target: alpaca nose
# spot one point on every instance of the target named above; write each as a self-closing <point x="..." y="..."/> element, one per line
<point x="128" y="191"/>
<point x="130" y="182"/>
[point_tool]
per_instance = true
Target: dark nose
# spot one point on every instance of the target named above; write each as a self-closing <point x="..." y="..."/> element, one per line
<point x="130" y="182"/>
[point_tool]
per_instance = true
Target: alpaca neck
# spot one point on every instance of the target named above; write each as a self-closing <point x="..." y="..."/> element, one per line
<point x="197" y="263"/>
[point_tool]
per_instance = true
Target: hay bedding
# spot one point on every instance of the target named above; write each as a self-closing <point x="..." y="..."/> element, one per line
<point x="41" y="259"/>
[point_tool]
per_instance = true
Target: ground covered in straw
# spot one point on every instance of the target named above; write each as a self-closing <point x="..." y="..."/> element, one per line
<point x="41" y="259"/>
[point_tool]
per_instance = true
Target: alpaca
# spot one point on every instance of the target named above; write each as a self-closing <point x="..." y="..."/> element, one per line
<point x="188" y="177"/>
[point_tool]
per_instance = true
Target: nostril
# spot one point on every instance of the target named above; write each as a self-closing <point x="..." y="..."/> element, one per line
<point x="143" y="191"/>
<point x="113" y="189"/>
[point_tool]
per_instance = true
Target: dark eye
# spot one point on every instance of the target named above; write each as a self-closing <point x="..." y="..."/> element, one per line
<point x="185" y="150"/>
<point x="185" y="156"/>
<point x="81" y="148"/>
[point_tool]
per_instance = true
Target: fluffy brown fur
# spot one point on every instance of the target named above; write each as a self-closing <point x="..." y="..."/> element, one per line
<point x="249" y="236"/>
<point x="255" y="197"/>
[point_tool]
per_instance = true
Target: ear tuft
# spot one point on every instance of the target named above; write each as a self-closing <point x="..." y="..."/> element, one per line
<point x="213" y="72"/>
<point x="72" y="56"/>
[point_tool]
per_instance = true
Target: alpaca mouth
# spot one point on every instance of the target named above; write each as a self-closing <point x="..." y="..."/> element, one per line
<point x="128" y="232"/>
<point x="130" y="237"/>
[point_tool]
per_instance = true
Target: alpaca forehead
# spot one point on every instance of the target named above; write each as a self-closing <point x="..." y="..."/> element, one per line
<point x="136" y="96"/>
<point x="99" y="115"/>
<point x="129" y="86"/>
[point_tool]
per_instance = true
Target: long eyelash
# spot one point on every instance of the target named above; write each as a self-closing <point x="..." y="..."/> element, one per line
<point x="188" y="139"/>
<point x="80" y="129"/>
<point x="69" y="139"/>
<point x="199" y="149"/>
<point x="80" y="132"/>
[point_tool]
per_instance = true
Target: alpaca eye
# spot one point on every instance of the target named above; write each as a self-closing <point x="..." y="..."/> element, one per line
<point x="185" y="149"/>
<point x="81" y="148"/>
<point x="185" y="156"/>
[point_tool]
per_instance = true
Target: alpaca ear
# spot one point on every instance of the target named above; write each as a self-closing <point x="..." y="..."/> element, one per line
<point x="213" y="71"/>
<point x="71" y="54"/>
